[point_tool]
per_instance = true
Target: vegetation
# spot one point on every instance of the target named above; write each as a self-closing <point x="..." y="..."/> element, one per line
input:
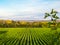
<point x="17" y="24"/>
<point x="29" y="36"/>
<point x="53" y="16"/>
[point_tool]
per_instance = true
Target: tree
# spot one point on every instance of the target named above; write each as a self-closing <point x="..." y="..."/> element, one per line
<point x="53" y="16"/>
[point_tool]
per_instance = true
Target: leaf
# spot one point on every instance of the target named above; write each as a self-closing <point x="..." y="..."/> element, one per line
<point x="54" y="15"/>
<point x="52" y="11"/>
<point x="57" y="17"/>
<point x="46" y="15"/>
<point x="55" y="12"/>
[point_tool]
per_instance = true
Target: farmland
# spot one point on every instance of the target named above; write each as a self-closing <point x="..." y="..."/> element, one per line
<point x="29" y="36"/>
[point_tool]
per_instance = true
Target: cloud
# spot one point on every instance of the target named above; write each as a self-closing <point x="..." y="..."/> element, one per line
<point x="31" y="9"/>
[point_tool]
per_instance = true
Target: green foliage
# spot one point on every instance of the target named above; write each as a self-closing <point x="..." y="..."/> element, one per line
<point x="35" y="24"/>
<point x="29" y="36"/>
<point x="46" y="15"/>
<point x="53" y="16"/>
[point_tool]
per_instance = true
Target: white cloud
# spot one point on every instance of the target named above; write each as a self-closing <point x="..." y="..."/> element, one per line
<point x="28" y="11"/>
<point x="6" y="12"/>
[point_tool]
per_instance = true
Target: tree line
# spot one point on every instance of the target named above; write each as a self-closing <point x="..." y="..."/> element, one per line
<point x="15" y="24"/>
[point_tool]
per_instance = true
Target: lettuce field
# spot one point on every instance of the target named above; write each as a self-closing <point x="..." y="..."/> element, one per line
<point x="29" y="36"/>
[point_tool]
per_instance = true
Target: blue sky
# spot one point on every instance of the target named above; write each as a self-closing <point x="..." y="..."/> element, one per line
<point x="27" y="9"/>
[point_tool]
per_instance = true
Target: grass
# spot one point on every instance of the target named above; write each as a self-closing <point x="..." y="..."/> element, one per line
<point x="29" y="36"/>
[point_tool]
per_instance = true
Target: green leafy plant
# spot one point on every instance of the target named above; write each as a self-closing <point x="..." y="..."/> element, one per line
<point x="54" y="17"/>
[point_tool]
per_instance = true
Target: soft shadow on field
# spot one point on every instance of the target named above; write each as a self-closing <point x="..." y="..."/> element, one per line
<point x="3" y="32"/>
<point x="29" y="36"/>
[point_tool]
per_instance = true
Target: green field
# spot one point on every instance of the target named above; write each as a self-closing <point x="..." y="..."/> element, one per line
<point x="29" y="36"/>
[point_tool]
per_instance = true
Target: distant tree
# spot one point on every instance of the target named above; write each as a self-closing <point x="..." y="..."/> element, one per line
<point x="23" y="23"/>
<point x="53" y="15"/>
<point x="35" y="24"/>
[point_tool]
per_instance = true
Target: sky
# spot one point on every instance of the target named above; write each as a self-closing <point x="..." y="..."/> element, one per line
<point x="27" y="9"/>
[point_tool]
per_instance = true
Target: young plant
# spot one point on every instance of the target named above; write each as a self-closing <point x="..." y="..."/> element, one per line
<point x="53" y="16"/>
